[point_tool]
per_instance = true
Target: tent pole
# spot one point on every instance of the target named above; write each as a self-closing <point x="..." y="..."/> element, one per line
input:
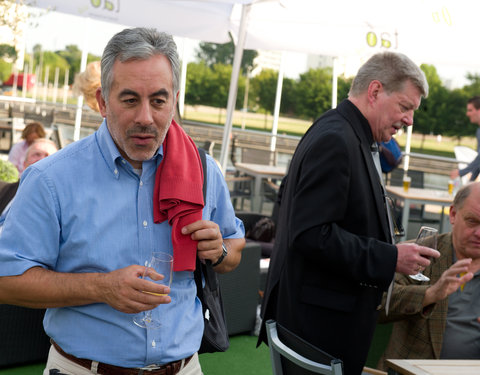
<point x="83" y="66"/>
<point x="276" y="110"/>
<point x="334" y="82"/>
<point x="232" y="94"/>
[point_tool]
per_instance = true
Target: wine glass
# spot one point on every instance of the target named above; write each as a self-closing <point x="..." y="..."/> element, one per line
<point x="161" y="263"/>
<point x="427" y="236"/>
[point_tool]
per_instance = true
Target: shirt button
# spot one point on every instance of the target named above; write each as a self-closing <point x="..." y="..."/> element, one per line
<point x="145" y="223"/>
<point x="141" y="183"/>
<point x="123" y="161"/>
<point x="115" y="171"/>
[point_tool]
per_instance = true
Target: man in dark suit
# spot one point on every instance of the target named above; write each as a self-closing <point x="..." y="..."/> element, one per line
<point x="333" y="254"/>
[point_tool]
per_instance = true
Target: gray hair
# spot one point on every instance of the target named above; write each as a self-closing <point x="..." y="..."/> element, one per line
<point x="392" y="70"/>
<point x="138" y="44"/>
<point x="462" y="195"/>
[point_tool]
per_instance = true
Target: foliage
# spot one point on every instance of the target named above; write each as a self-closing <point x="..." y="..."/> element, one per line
<point x="13" y="15"/>
<point x="8" y="172"/>
<point x="8" y="52"/>
<point x="264" y="87"/>
<point x="315" y="87"/>
<point x="443" y="111"/>
<point x="213" y="53"/>
<point x="68" y="59"/>
<point x="210" y="86"/>
<point x="5" y="70"/>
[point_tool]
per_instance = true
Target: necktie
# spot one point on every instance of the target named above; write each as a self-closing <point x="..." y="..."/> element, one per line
<point x="376" y="160"/>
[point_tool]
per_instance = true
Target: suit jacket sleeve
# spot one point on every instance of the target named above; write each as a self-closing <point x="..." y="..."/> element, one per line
<point x="335" y="221"/>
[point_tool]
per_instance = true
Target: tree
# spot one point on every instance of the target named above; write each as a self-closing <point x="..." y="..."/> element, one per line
<point x="264" y="87"/>
<point x="315" y="87"/>
<point x="73" y="55"/>
<point x="442" y="112"/>
<point x="13" y="15"/>
<point x="213" y="53"/>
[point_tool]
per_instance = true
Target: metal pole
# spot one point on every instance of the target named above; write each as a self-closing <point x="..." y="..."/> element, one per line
<point x="232" y="94"/>
<point x="276" y="111"/>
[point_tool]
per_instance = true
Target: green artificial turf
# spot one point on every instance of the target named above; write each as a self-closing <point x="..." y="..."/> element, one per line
<point x="240" y="359"/>
<point x="243" y="357"/>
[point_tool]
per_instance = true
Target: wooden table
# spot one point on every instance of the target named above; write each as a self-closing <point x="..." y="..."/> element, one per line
<point x="419" y="196"/>
<point x="259" y="172"/>
<point x="433" y="367"/>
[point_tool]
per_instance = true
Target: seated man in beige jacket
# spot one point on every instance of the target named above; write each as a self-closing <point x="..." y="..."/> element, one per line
<point x="439" y="318"/>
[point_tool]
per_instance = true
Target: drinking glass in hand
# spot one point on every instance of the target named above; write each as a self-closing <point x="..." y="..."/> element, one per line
<point x="426" y="237"/>
<point x="160" y="263"/>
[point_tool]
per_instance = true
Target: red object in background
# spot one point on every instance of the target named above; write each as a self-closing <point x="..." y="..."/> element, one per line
<point x="30" y="81"/>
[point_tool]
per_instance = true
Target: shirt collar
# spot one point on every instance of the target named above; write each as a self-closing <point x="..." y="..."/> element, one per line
<point x="110" y="152"/>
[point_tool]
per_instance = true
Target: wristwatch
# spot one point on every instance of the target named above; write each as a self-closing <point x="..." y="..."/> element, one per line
<point x="222" y="257"/>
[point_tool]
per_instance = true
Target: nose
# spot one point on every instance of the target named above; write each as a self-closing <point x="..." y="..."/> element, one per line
<point x="144" y="114"/>
<point x="408" y="118"/>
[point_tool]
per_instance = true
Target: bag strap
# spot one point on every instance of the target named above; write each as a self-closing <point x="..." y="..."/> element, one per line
<point x="206" y="269"/>
<point x="203" y="158"/>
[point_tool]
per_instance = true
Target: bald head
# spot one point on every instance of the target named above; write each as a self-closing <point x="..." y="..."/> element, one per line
<point x="465" y="220"/>
<point x="38" y="150"/>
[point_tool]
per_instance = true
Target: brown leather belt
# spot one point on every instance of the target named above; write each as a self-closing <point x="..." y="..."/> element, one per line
<point x="171" y="368"/>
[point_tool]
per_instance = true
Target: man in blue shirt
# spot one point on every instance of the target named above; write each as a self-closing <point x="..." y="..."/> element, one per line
<point x="473" y="113"/>
<point x="77" y="238"/>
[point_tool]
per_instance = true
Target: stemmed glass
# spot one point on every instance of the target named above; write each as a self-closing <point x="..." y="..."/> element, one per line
<point x="160" y="263"/>
<point x="426" y="237"/>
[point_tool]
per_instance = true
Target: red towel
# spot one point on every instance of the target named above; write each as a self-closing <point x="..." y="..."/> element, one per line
<point x="178" y="193"/>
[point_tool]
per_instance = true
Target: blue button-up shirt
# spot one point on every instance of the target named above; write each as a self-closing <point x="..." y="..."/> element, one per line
<point x="84" y="209"/>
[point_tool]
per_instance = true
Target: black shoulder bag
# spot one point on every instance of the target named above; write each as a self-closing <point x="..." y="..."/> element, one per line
<point x="215" y="334"/>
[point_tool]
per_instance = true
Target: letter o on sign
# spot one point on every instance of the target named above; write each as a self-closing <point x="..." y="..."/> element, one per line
<point x="371" y="39"/>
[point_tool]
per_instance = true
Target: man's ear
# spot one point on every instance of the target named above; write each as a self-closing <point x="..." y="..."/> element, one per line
<point x="374" y="89"/>
<point x="102" y="105"/>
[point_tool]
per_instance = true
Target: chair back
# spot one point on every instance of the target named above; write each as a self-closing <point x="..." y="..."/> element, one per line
<point x="290" y="354"/>
<point x="464" y="156"/>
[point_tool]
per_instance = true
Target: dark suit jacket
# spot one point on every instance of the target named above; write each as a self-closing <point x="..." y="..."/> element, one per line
<point x="418" y="332"/>
<point x="332" y="258"/>
<point x="7" y="192"/>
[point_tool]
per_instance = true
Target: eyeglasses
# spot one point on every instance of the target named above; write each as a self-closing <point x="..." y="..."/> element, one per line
<point x="398" y="229"/>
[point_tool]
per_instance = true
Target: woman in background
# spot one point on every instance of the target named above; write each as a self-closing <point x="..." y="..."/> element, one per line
<point x="18" y="151"/>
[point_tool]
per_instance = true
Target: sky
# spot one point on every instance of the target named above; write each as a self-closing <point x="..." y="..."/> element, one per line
<point x="55" y="30"/>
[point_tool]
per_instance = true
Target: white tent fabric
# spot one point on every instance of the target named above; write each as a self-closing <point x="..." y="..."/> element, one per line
<point x="429" y="31"/>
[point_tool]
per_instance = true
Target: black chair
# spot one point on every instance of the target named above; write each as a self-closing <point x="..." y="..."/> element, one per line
<point x="290" y="354"/>
<point x="23" y="338"/>
<point x="240" y="291"/>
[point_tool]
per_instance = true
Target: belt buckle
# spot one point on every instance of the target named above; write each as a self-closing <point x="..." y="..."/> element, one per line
<point x="151" y="368"/>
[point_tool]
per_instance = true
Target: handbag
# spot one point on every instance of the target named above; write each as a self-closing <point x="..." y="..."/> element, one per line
<point x="215" y="334"/>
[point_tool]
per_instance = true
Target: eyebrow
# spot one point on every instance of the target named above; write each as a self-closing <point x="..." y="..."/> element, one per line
<point x="127" y="92"/>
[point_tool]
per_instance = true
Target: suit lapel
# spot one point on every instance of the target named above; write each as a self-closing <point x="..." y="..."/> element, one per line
<point x="365" y="149"/>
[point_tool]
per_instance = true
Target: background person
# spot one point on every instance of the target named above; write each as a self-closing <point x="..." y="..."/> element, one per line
<point x="87" y="82"/>
<point x="333" y="255"/>
<point x="38" y="150"/>
<point x="92" y="205"/>
<point x="473" y="113"/>
<point x="18" y="151"/>
<point x="439" y="319"/>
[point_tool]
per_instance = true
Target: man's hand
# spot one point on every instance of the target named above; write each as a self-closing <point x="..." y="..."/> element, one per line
<point x="413" y="258"/>
<point x="448" y="282"/>
<point x="209" y="238"/>
<point x="209" y="246"/>
<point x="126" y="291"/>
<point x="454" y="174"/>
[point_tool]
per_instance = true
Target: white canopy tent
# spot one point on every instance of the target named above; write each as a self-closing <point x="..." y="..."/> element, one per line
<point x="428" y="31"/>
